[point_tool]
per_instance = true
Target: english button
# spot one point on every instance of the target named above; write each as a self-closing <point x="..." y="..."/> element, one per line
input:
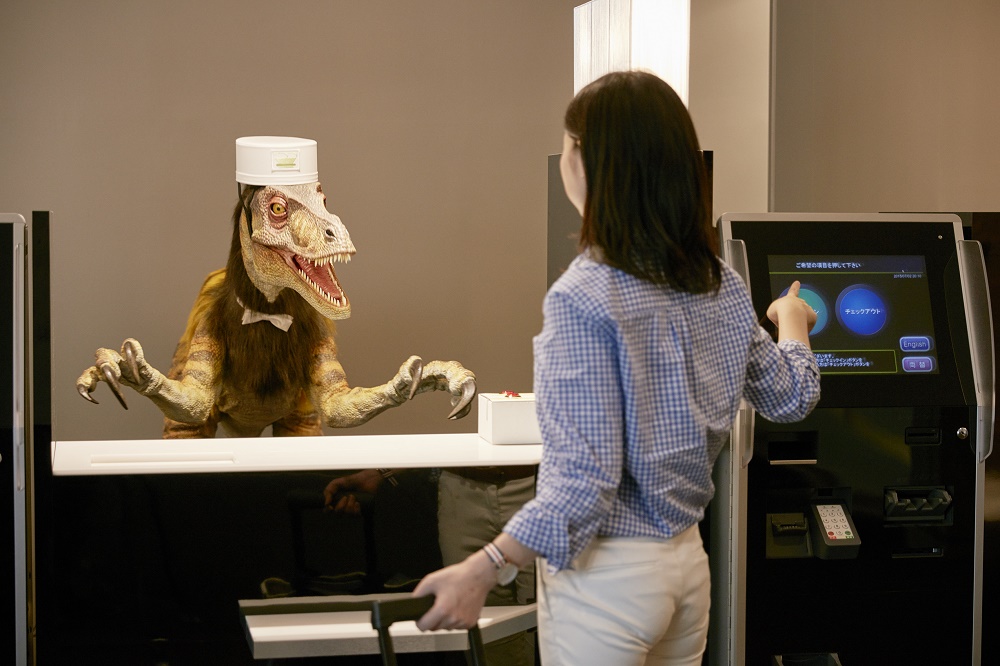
<point x="915" y="343"/>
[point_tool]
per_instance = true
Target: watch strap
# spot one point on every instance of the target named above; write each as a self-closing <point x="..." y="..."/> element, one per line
<point x="506" y="570"/>
<point x="496" y="555"/>
<point x="388" y="475"/>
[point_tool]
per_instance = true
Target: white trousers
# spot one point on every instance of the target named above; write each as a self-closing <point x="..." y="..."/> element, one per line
<point x="627" y="602"/>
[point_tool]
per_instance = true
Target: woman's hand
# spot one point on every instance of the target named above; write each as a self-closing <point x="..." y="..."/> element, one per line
<point x="460" y="592"/>
<point x="792" y="315"/>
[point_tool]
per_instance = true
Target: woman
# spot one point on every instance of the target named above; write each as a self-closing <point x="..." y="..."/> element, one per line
<point x="648" y="345"/>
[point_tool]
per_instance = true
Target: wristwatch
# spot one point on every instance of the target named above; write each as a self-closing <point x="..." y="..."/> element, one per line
<point x="506" y="571"/>
<point x="388" y="475"/>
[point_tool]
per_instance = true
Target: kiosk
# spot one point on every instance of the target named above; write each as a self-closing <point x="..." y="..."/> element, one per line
<point x="856" y="535"/>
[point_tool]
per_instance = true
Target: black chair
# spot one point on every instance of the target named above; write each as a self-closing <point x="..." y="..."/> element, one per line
<point x="384" y="613"/>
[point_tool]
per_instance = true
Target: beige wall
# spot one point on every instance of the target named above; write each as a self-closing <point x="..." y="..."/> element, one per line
<point x="730" y="54"/>
<point x="866" y="106"/>
<point x="887" y="106"/>
<point x="434" y="120"/>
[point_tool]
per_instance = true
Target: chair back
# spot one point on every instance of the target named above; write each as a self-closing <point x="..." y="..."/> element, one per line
<point x="385" y="613"/>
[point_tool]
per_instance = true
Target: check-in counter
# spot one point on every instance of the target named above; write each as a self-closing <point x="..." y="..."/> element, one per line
<point x="180" y="534"/>
<point x="278" y="454"/>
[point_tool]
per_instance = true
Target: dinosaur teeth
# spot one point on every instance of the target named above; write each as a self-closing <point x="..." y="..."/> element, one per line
<point x="311" y="283"/>
<point x="320" y="290"/>
<point x="339" y="257"/>
<point x="319" y="276"/>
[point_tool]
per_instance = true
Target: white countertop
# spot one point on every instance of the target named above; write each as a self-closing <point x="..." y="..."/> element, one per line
<point x="276" y="454"/>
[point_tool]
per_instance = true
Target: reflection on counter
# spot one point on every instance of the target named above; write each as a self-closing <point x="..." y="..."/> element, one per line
<point x="149" y="568"/>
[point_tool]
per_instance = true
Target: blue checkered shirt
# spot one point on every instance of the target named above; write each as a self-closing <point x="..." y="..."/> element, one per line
<point x="637" y="387"/>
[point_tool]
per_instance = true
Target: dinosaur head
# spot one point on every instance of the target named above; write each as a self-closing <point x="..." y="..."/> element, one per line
<point x="292" y="242"/>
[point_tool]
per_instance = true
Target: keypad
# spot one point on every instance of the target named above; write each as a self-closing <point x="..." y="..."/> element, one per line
<point x="834" y="521"/>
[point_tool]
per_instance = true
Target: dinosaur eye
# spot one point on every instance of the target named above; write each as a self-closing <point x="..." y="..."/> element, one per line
<point x="277" y="211"/>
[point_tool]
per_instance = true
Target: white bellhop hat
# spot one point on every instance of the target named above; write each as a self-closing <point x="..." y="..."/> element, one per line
<point x="276" y="160"/>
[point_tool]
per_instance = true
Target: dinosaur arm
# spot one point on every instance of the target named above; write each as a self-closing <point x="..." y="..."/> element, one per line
<point x="188" y="400"/>
<point x="342" y="407"/>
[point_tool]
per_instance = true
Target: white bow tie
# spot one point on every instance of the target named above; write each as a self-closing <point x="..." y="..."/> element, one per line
<point x="282" y="321"/>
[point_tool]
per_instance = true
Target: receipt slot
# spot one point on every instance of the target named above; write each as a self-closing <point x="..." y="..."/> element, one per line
<point x="856" y="535"/>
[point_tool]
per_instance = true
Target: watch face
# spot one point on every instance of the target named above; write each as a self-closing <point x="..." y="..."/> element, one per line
<point x="506" y="574"/>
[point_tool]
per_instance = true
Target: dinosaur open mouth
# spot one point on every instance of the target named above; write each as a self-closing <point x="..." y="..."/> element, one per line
<point x="319" y="275"/>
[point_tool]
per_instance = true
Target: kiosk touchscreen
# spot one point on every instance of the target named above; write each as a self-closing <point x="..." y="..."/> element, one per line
<point x="856" y="535"/>
<point x="873" y="312"/>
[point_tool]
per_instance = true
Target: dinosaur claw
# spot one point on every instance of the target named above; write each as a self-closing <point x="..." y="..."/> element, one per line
<point x="82" y="390"/>
<point x="416" y="372"/>
<point x="463" y="403"/>
<point x="113" y="383"/>
<point x="129" y="351"/>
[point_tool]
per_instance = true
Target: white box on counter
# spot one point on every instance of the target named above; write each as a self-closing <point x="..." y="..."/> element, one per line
<point x="508" y="418"/>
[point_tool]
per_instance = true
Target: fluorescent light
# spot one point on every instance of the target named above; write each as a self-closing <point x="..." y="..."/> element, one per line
<point x="651" y="35"/>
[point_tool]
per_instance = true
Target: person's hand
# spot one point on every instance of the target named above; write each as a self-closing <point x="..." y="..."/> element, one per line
<point x="365" y="481"/>
<point x="791" y="305"/>
<point x="792" y="315"/>
<point x="460" y="592"/>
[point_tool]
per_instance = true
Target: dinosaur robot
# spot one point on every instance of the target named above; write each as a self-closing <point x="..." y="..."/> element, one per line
<point x="258" y="349"/>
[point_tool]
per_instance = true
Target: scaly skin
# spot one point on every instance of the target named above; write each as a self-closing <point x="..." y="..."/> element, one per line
<point x="293" y="245"/>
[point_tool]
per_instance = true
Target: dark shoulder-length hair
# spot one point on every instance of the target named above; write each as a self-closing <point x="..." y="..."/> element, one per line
<point x="648" y="204"/>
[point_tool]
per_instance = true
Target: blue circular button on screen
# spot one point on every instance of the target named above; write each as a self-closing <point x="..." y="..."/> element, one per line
<point x="819" y="306"/>
<point x="861" y="310"/>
